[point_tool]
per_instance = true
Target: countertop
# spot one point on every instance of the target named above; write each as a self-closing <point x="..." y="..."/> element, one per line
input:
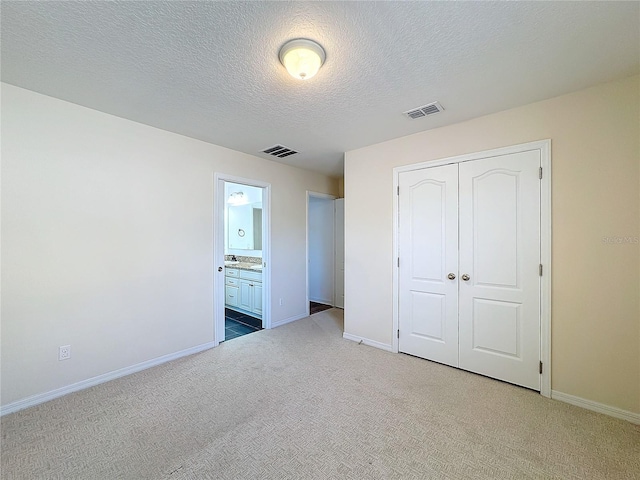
<point x="246" y="266"/>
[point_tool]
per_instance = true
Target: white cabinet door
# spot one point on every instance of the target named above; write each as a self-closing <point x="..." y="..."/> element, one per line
<point x="256" y="295"/>
<point x="245" y="300"/>
<point x="428" y="246"/>
<point x="500" y="253"/>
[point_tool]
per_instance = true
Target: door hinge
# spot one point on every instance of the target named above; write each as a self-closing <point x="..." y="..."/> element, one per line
<point x="398" y="333"/>
<point x="398" y="262"/>
<point x="540" y="269"/>
<point x="540" y="173"/>
<point x="398" y="191"/>
<point x="540" y="370"/>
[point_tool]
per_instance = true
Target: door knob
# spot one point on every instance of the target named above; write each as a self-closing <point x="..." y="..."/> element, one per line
<point x="465" y="277"/>
<point x="219" y="269"/>
<point x="451" y="276"/>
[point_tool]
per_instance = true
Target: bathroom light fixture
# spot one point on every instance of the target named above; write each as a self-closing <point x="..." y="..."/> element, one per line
<point x="302" y="58"/>
<point x="237" y="198"/>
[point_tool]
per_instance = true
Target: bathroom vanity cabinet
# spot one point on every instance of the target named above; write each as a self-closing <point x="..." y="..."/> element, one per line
<point x="243" y="291"/>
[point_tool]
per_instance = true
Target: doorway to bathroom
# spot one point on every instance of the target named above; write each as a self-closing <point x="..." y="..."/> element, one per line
<point x="241" y="256"/>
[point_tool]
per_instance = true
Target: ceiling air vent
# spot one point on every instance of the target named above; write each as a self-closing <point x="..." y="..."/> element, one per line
<point x="279" y="151"/>
<point x="425" y="110"/>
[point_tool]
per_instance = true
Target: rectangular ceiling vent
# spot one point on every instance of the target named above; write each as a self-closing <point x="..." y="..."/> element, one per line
<point x="425" y="110"/>
<point x="279" y="151"/>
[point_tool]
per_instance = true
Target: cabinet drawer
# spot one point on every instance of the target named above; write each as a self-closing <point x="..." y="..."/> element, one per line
<point x="249" y="275"/>
<point x="231" y="272"/>
<point x="231" y="295"/>
<point x="231" y="281"/>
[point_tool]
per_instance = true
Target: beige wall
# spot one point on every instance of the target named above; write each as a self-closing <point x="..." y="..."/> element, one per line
<point x="595" y="137"/>
<point x="107" y="240"/>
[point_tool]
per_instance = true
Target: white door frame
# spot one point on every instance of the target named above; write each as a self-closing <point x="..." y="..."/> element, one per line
<point x="324" y="196"/>
<point x="544" y="146"/>
<point x="219" y="180"/>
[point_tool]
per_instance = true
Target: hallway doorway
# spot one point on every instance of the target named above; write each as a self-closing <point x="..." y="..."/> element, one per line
<point x="325" y="252"/>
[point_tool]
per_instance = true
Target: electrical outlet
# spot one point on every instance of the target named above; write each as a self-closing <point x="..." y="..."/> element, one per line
<point x="64" y="353"/>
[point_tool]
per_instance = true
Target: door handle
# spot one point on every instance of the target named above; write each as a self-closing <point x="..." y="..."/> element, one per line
<point x="465" y="277"/>
<point x="451" y="276"/>
<point x="219" y="269"/>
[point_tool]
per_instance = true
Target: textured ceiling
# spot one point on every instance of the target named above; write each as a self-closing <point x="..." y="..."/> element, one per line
<point x="210" y="70"/>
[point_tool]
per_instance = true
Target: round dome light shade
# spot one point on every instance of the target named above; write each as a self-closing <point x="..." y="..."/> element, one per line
<point x="302" y="58"/>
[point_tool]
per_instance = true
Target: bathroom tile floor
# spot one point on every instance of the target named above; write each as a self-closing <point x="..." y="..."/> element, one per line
<point x="238" y="324"/>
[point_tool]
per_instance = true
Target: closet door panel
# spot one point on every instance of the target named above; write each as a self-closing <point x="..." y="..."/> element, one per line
<point x="428" y="233"/>
<point x="499" y="304"/>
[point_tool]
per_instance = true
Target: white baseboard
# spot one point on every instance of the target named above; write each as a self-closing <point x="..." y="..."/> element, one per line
<point x="105" y="377"/>
<point x="366" y="341"/>
<point x="279" y="323"/>
<point x="596" y="407"/>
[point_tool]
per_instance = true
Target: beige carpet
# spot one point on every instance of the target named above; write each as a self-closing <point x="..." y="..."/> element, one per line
<point x="300" y="402"/>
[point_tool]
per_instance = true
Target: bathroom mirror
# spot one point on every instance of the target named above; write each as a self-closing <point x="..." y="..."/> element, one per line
<point x="245" y="226"/>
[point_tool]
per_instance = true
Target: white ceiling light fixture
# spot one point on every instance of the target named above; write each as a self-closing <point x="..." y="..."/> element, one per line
<point x="302" y="58"/>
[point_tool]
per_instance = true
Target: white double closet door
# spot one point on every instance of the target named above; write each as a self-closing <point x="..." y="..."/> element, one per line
<point x="469" y="284"/>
